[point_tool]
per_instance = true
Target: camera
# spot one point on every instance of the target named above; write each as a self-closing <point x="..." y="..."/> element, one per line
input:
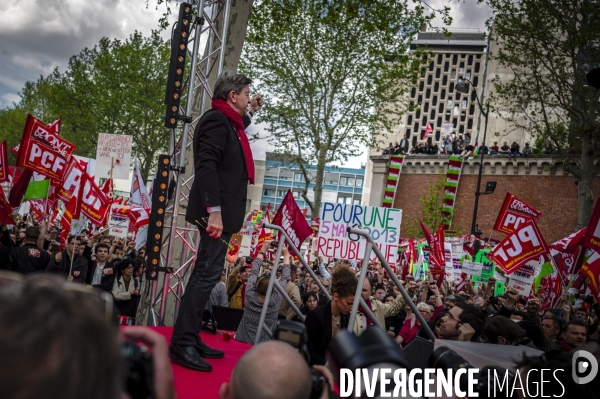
<point x="137" y="367"/>
<point x="294" y="333"/>
<point x="248" y="260"/>
<point x="274" y="244"/>
<point x="444" y="358"/>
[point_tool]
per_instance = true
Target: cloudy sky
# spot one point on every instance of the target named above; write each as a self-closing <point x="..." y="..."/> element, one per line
<point x="37" y="36"/>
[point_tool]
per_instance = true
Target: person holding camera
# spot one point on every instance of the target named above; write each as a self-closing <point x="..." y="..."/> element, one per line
<point x="236" y="285"/>
<point x="256" y="291"/>
<point x="126" y="289"/>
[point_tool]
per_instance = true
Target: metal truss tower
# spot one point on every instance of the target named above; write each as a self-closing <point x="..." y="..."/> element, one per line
<point x="206" y="51"/>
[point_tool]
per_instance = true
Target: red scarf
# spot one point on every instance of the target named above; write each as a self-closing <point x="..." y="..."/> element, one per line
<point x="238" y="125"/>
<point x="360" y="309"/>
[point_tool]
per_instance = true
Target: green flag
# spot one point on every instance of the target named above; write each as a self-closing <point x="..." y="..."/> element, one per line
<point x="547" y="269"/>
<point x="37" y="189"/>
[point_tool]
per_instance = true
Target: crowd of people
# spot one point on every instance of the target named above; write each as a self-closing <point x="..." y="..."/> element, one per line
<point x="458" y="145"/>
<point x="106" y="262"/>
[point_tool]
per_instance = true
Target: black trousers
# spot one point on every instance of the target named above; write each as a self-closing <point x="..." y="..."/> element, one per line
<point x="210" y="261"/>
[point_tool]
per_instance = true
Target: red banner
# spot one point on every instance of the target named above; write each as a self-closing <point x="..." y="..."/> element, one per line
<point x="289" y="217"/>
<point x="592" y="236"/>
<point x="519" y="248"/>
<point x="5" y="210"/>
<point x="4" y="174"/>
<point x="437" y="256"/>
<point x="72" y="180"/>
<point x="591" y="269"/>
<point x="48" y="136"/>
<point x="93" y="203"/>
<point x="514" y="214"/>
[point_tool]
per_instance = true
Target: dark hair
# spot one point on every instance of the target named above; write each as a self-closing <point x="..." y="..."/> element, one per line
<point x="293" y="269"/>
<point x="72" y="237"/>
<point x="119" y="248"/>
<point x="123" y="265"/>
<point x="388" y="295"/>
<point x="49" y="333"/>
<point x="472" y="315"/>
<point x="229" y="81"/>
<point x="524" y="315"/>
<point x="500" y="326"/>
<point x="102" y="246"/>
<point x="576" y="322"/>
<point x="262" y="284"/>
<point x="308" y="295"/>
<point x="343" y="282"/>
<point x="379" y="287"/>
<point x="556" y="321"/>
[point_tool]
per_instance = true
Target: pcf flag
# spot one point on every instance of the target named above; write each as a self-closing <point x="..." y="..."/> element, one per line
<point x="290" y="218"/>
<point x="519" y="248"/>
<point x="93" y="203"/>
<point x="514" y="213"/>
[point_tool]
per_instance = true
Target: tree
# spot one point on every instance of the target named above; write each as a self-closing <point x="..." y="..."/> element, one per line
<point x="550" y="45"/>
<point x="431" y="209"/>
<point x="327" y="71"/>
<point x="116" y="87"/>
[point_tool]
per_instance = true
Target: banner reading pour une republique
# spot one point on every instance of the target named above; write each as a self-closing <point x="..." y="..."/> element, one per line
<point x="382" y="224"/>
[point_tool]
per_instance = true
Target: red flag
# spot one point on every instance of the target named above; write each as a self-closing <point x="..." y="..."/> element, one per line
<point x="514" y="213"/>
<point x="519" y="248"/>
<point x="4" y="174"/>
<point x="107" y="188"/>
<point x="592" y="236"/>
<point x="591" y="269"/>
<point x="71" y="181"/>
<point x="5" y="210"/>
<point x="93" y="204"/>
<point x="67" y="219"/>
<point x="426" y="232"/>
<point x="437" y="254"/>
<point x="19" y="187"/>
<point x="290" y="218"/>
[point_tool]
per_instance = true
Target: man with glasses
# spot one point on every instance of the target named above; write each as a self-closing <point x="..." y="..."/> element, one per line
<point x="69" y="262"/>
<point x="462" y="322"/>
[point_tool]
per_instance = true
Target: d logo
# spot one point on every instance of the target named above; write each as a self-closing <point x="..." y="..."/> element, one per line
<point x="585" y="367"/>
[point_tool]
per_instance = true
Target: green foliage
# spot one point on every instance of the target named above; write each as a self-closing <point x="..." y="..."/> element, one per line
<point x="323" y="68"/>
<point x="550" y="45"/>
<point x="116" y="87"/>
<point x="431" y="201"/>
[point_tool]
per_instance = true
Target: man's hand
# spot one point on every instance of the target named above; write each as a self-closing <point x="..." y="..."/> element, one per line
<point x="329" y="378"/>
<point x="533" y="304"/>
<point x="465" y="332"/>
<point x="136" y="292"/>
<point x="435" y="289"/>
<point x="285" y="251"/>
<point x="566" y="308"/>
<point x="266" y="246"/>
<point x="512" y="295"/>
<point x="215" y="225"/>
<point x="256" y="103"/>
<point x="70" y="278"/>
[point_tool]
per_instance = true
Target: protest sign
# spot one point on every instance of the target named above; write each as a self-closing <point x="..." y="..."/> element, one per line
<point x="522" y="279"/>
<point x="472" y="268"/>
<point x="382" y="224"/>
<point x="499" y="288"/>
<point x="119" y="221"/>
<point x="113" y="151"/>
<point x="457" y="252"/>
<point x="448" y="257"/>
<point x="488" y="268"/>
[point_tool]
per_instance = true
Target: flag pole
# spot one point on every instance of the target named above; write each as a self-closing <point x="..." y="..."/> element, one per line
<point x="73" y="257"/>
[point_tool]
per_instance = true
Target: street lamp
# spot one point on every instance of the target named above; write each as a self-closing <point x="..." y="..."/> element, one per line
<point x="463" y="86"/>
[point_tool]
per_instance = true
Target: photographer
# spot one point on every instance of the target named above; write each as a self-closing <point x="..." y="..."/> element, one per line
<point x="236" y="285"/>
<point x="256" y="291"/>
<point x="62" y="343"/>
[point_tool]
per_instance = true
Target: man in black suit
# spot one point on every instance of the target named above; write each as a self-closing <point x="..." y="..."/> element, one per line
<point x="223" y="169"/>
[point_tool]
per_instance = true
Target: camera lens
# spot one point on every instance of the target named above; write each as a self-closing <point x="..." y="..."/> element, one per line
<point x="274" y="244"/>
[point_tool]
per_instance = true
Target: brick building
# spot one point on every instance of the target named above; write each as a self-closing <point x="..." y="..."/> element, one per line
<point x="541" y="182"/>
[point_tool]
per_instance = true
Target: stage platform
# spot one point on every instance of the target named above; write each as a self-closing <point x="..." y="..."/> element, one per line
<point x="191" y="384"/>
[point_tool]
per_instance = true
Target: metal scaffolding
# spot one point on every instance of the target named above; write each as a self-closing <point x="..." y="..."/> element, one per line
<point x="206" y="51"/>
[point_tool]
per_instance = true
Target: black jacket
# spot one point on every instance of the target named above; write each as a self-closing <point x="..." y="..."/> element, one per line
<point x="220" y="176"/>
<point x="80" y="267"/>
<point x="318" y="329"/>
<point x="108" y="272"/>
<point x="25" y="259"/>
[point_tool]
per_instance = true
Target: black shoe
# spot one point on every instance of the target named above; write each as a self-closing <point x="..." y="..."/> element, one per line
<point x="188" y="358"/>
<point x="205" y="351"/>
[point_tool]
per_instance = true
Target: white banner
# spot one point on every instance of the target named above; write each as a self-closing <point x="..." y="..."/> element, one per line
<point x="472" y="268"/>
<point x="118" y="222"/>
<point x="382" y="224"/>
<point x="522" y="279"/>
<point x="113" y="150"/>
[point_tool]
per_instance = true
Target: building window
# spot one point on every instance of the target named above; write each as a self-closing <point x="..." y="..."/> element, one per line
<point x="436" y="87"/>
<point x="298" y="177"/>
<point x="431" y="66"/>
<point x="421" y="85"/>
<point x="347" y="181"/>
<point x="344" y="200"/>
<point x="454" y="59"/>
<point x="463" y="116"/>
<point x="449" y="104"/>
<point x="464" y="104"/>
<point x="356" y="202"/>
<point x="434" y="101"/>
<point x="453" y="74"/>
<point x="443" y="94"/>
<point x="268" y="193"/>
<point x="359" y="182"/>
<point x="445" y="80"/>
<point x="470" y="60"/>
<point x="409" y="120"/>
<point x="426" y="107"/>
<point x="468" y="74"/>
<point x="438" y="72"/>
<point x="280" y="193"/>
<point x="456" y="110"/>
<point x="413" y="92"/>
<point x="429" y="79"/>
<point x="446" y="66"/>
<point x="461" y="69"/>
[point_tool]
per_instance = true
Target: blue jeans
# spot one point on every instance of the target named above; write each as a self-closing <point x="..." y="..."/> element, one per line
<point x="210" y="261"/>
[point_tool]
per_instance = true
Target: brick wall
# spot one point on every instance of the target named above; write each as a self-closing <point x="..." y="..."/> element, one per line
<point x="554" y="196"/>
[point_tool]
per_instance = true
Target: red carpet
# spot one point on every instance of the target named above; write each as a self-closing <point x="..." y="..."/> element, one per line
<point x="191" y="384"/>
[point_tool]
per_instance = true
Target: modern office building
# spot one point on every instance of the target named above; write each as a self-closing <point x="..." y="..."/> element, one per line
<point x="341" y="185"/>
